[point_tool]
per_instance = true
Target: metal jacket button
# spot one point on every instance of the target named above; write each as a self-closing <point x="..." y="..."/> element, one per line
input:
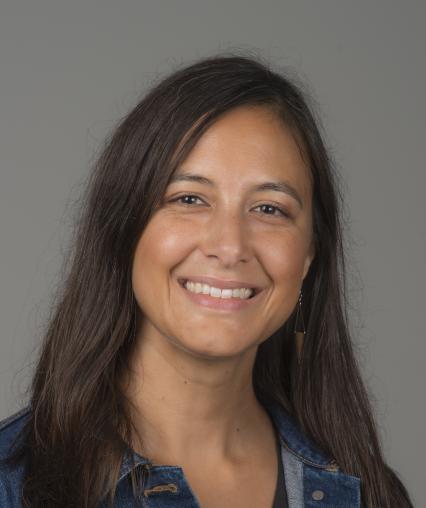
<point x="317" y="495"/>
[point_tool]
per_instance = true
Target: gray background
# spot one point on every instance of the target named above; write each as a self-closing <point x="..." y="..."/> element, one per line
<point x="70" y="70"/>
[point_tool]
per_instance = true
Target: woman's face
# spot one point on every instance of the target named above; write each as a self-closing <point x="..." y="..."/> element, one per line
<point x="220" y="225"/>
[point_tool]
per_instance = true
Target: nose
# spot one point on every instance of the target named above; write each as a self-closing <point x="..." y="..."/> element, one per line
<point x="227" y="238"/>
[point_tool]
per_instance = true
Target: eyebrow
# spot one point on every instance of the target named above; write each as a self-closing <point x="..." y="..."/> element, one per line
<point x="279" y="186"/>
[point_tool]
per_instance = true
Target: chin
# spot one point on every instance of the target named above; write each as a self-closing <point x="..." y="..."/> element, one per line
<point x="213" y="351"/>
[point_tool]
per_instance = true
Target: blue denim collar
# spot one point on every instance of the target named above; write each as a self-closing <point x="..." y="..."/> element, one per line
<point x="295" y="440"/>
<point x="131" y="460"/>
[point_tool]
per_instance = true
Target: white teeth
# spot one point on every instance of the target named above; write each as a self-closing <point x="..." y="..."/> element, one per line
<point x="197" y="287"/>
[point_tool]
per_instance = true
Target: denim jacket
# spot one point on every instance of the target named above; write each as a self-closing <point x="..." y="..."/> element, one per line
<point x="312" y="480"/>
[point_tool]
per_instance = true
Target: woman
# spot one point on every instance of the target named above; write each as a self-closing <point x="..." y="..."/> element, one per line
<point x="173" y="371"/>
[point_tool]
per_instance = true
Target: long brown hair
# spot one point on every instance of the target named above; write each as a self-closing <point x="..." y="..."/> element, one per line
<point x="79" y="424"/>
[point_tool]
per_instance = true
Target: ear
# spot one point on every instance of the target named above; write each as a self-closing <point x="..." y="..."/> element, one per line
<point x="309" y="258"/>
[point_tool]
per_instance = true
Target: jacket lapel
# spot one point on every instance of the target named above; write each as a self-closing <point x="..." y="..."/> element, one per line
<point x="312" y="479"/>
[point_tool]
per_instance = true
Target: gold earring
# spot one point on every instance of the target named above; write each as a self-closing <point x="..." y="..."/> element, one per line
<point x="299" y="334"/>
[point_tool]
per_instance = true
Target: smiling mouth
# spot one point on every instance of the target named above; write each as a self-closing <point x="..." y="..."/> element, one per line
<point x="256" y="291"/>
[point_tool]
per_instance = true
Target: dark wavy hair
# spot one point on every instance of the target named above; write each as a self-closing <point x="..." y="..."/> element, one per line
<point x="79" y="423"/>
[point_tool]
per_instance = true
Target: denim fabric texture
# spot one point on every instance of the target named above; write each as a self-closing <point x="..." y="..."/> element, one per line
<point x="312" y="480"/>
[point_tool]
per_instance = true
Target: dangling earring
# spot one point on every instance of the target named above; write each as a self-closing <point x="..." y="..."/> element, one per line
<point x="299" y="334"/>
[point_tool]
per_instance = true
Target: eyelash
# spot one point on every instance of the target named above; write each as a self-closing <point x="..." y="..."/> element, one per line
<point x="282" y="212"/>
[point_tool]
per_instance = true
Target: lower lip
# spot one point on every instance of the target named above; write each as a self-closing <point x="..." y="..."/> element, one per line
<point x="220" y="303"/>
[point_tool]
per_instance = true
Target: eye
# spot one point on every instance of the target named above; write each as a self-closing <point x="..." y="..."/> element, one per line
<point x="274" y="208"/>
<point x="179" y="198"/>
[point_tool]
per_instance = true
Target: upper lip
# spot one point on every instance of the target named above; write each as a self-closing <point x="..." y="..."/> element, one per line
<point x="220" y="283"/>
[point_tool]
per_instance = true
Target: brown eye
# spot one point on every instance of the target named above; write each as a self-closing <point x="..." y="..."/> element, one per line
<point x="273" y="208"/>
<point x="179" y="198"/>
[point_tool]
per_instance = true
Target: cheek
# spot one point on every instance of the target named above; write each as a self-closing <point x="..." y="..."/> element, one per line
<point x="285" y="259"/>
<point x="160" y="248"/>
<point x="164" y="235"/>
<point x="155" y="241"/>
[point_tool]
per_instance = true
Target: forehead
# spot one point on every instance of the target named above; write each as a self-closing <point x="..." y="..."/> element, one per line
<point x="249" y="143"/>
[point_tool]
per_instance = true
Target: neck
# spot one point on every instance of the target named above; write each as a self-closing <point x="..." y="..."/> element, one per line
<point x="192" y="407"/>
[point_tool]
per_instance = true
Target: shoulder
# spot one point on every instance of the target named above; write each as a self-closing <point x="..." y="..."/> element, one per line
<point x="10" y="428"/>
<point x="11" y="476"/>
